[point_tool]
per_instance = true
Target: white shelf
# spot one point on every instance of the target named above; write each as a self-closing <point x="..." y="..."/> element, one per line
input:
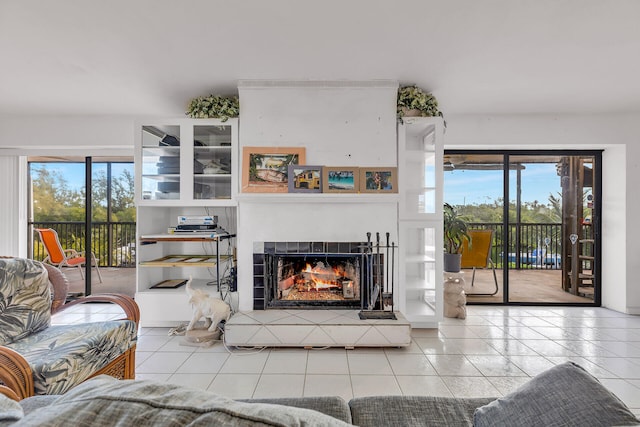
<point x="418" y="308"/>
<point x="414" y="284"/>
<point x="419" y="258"/>
<point x="318" y="198"/>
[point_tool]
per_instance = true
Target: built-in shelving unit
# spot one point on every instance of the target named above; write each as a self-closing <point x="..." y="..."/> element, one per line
<point x="420" y="150"/>
<point x="183" y="167"/>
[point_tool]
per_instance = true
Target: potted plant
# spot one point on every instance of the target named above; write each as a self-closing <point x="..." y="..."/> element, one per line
<point x="214" y="106"/>
<point x="414" y="102"/>
<point x="455" y="234"/>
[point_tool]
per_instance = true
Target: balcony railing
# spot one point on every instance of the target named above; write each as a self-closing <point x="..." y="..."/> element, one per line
<point x="529" y="245"/>
<point x="114" y="243"/>
<point x="539" y="245"/>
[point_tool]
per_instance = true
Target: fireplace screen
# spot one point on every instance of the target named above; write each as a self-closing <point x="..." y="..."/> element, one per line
<point x="313" y="280"/>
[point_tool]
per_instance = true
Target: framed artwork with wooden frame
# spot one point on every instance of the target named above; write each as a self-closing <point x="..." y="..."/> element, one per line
<point x="305" y="179"/>
<point x="340" y="179"/>
<point x="266" y="169"/>
<point x="379" y="180"/>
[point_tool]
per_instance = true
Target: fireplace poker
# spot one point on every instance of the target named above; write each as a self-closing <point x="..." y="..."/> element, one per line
<point x="386" y="264"/>
<point x="380" y="285"/>
<point x="369" y="269"/>
<point x="393" y="263"/>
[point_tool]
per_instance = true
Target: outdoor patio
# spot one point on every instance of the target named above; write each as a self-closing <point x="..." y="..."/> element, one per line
<point x="120" y="280"/>
<point x="530" y="285"/>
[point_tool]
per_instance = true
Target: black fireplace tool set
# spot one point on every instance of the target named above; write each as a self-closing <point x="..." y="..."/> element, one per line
<point x="377" y="303"/>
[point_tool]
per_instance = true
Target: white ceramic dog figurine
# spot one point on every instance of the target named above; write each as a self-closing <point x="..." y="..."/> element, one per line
<point x="214" y="310"/>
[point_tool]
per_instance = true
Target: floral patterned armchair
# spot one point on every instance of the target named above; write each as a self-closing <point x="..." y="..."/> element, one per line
<point x="37" y="358"/>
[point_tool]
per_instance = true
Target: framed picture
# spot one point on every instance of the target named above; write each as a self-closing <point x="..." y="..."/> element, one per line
<point x="340" y="179"/>
<point x="305" y="179"/>
<point x="378" y="180"/>
<point x="266" y="169"/>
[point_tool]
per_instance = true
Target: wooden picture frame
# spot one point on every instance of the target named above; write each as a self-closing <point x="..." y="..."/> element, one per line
<point x="340" y="179"/>
<point x="305" y="179"/>
<point x="379" y="180"/>
<point x="266" y="169"/>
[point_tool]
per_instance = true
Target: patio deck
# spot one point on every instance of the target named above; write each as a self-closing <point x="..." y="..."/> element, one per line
<point x="531" y="285"/>
<point x="114" y="280"/>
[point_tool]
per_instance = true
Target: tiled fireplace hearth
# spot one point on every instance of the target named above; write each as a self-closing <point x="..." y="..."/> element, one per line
<point x="308" y="294"/>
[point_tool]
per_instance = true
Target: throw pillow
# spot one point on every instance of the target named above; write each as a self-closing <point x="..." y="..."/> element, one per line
<point x="25" y="299"/>
<point x="565" y="395"/>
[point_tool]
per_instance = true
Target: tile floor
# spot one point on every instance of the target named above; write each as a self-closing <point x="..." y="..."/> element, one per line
<point x="490" y="353"/>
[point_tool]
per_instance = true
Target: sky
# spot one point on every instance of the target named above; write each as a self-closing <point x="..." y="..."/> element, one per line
<point x="74" y="172"/>
<point x="471" y="187"/>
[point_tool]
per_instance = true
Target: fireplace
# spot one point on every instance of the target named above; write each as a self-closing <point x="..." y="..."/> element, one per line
<point x="312" y="275"/>
<point x="313" y="280"/>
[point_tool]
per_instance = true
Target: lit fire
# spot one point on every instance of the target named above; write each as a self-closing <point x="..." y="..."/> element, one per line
<point x="321" y="277"/>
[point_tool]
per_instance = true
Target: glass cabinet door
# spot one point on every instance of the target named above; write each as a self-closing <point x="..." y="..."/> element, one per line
<point x="160" y="162"/>
<point x="212" y="164"/>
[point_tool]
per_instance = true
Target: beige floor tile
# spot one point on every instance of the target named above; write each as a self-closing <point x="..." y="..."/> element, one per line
<point x="235" y="386"/>
<point x="328" y="385"/>
<point x="279" y="385"/>
<point x="420" y="385"/>
<point x="374" y="385"/>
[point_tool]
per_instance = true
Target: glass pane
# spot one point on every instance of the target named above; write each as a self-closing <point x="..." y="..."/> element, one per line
<point x="548" y="198"/>
<point x="123" y="208"/>
<point x="212" y="162"/>
<point x="160" y="162"/>
<point x="473" y="185"/>
<point x="99" y="191"/>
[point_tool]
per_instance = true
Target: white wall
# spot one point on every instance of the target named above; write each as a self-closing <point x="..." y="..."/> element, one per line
<point x="616" y="134"/>
<point x="632" y="235"/>
<point x="66" y="135"/>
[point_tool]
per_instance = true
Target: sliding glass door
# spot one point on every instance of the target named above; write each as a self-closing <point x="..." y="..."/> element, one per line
<point x="545" y="238"/>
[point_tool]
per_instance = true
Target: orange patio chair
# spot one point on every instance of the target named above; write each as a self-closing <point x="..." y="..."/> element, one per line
<point x="59" y="257"/>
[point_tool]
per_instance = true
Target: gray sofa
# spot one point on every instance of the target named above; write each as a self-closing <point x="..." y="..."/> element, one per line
<point x="565" y="395"/>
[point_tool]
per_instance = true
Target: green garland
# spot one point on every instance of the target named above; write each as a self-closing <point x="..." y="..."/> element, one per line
<point x="414" y="98"/>
<point x="214" y="106"/>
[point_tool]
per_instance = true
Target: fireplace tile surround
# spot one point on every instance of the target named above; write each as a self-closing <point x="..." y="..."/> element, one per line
<point x="263" y="249"/>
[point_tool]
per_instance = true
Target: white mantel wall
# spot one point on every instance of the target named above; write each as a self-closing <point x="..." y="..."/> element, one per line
<point x="339" y="124"/>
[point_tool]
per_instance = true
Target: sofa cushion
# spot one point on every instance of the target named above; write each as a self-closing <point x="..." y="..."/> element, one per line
<point x="25" y="299"/>
<point x="565" y="395"/>
<point x="414" y="410"/>
<point x="10" y="411"/>
<point x="105" y="401"/>
<point x="63" y="356"/>
<point x="335" y="406"/>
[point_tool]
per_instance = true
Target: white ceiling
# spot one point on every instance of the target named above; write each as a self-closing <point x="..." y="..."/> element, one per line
<point x="476" y="56"/>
